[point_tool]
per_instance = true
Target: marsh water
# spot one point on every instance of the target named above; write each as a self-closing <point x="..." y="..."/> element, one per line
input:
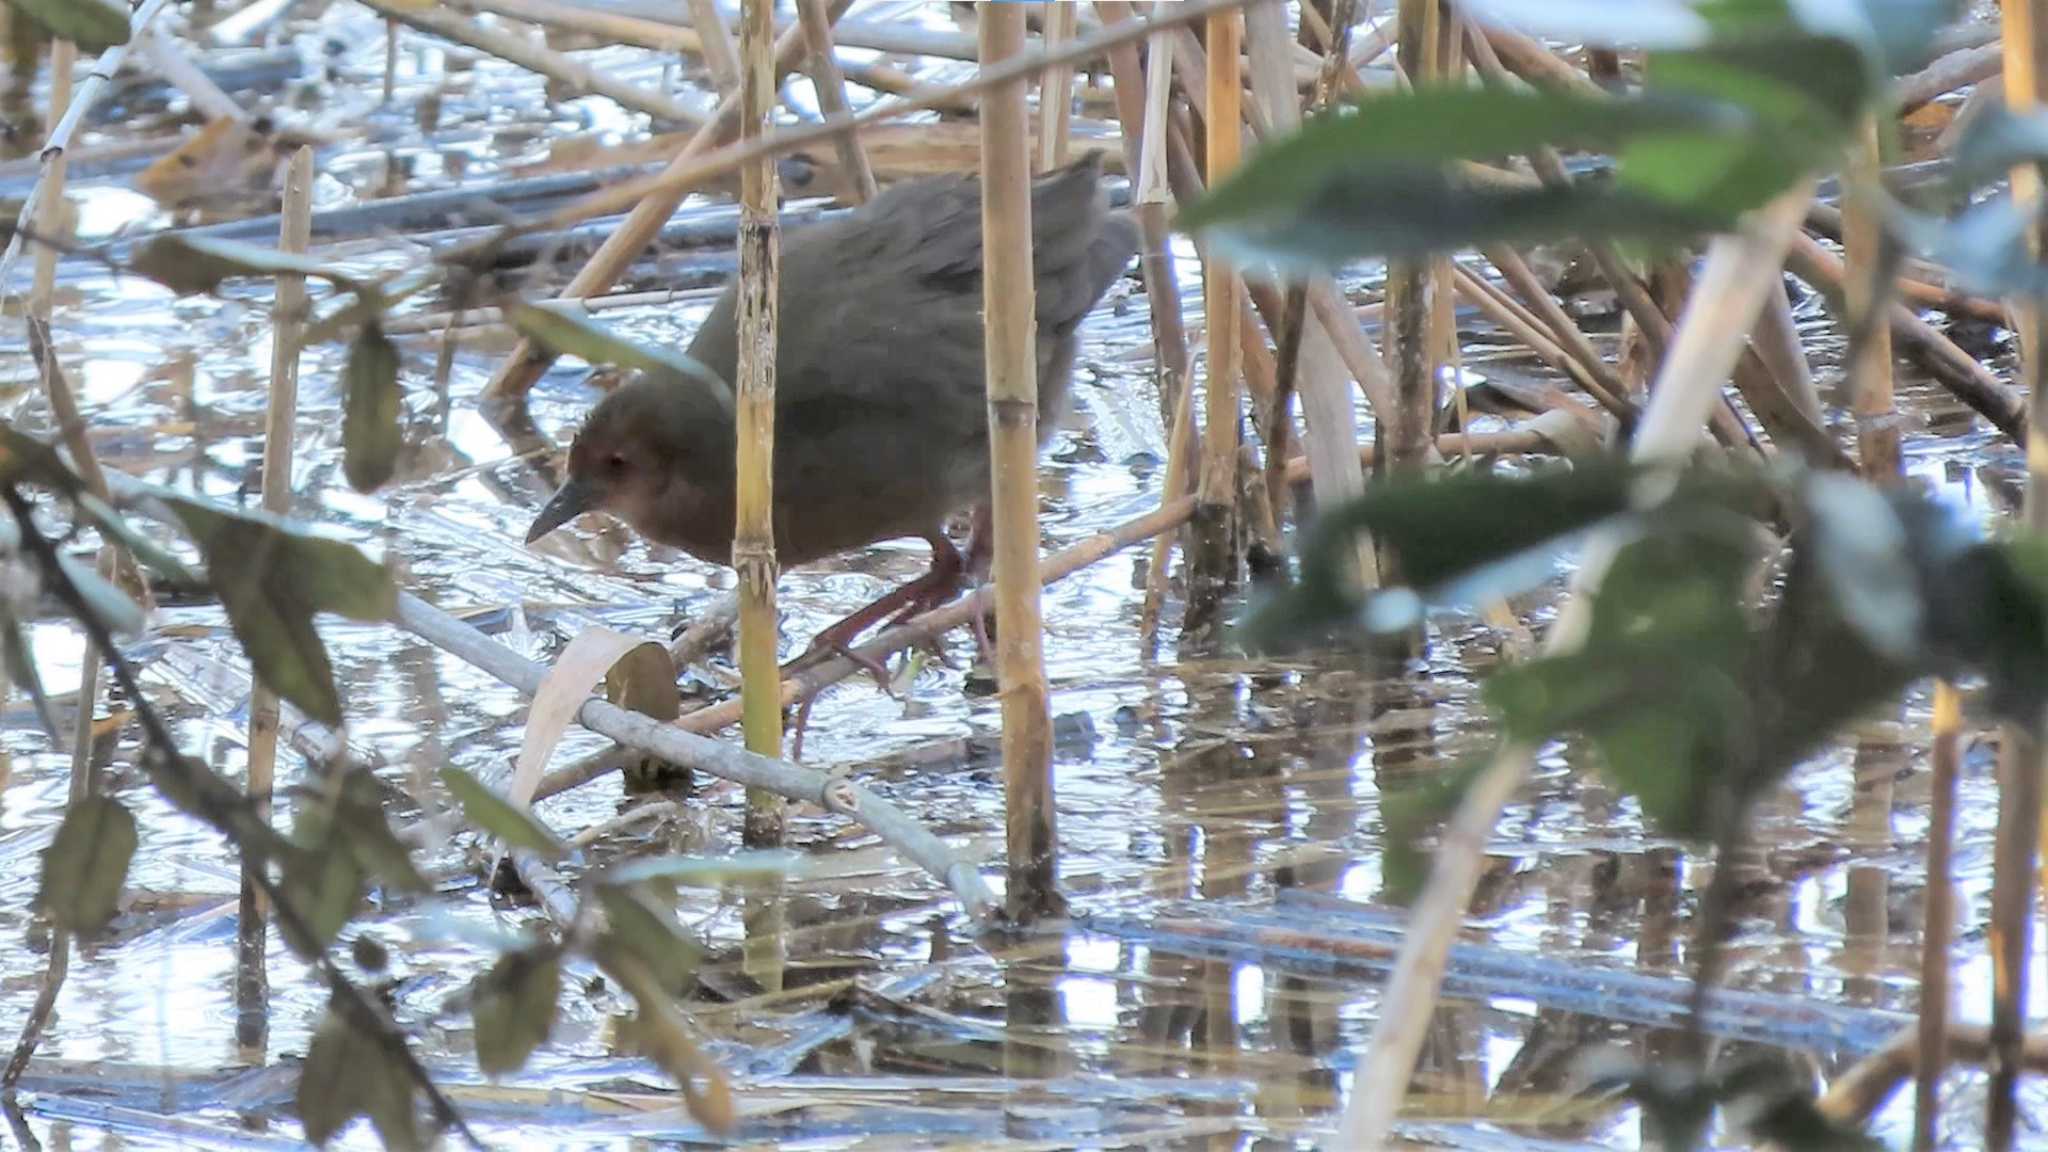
<point x="1220" y="815"/>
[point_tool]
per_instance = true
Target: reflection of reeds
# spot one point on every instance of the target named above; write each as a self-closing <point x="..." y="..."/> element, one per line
<point x="753" y="544"/>
<point x="1009" y="305"/>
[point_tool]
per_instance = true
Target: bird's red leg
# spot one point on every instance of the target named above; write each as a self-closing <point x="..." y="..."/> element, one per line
<point x="928" y="590"/>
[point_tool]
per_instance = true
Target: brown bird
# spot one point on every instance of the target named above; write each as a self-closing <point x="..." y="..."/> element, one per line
<point x="881" y="419"/>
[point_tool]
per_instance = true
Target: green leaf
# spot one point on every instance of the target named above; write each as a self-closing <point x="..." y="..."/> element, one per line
<point x="649" y="933"/>
<point x="1374" y="179"/>
<point x="108" y="604"/>
<point x="359" y="820"/>
<point x="324" y="886"/>
<point x="348" y="1074"/>
<point x="370" y="431"/>
<point x="94" y="25"/>
<point x="87" y="864"/>
<point x="1984" y="246"/>
<point x="189" y="264"/>
<point x="272" y="577"/>
<point x="1462" y="538"/>
<point x="1993" y="140"/>
<point x="564" y="329"/>
<point x="514" y="1008"/>
<point x="495" y="815"/>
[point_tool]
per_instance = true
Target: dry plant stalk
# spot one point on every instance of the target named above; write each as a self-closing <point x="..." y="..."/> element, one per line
<point x="1412" y="284"/>
<point x="516" y="376"/>
<point x="753" y="543"/>
<point x="556" y="66"/>
<point x="1055" y="88"/>
<point x="816" y="21"/>
<point x="1212" y="557"/>
<point x="48" y="219"/>
<point x="1940" y="917"/>
<point x="287" y="320"/>
<point x="1009" y="307"/>
<point x="1708" y="340"/>
<point x="2020" y="753"/>
<point x="714" y="43"/>
<point x="1870" y="369"/>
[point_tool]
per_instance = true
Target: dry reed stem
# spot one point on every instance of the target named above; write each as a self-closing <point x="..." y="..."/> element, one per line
<point x="692" y="167"/>
<point x="651" y="209"/>
<point x="2020" y="752"/>
<point x="1008" y="309"/>
<point x="1328" y="411"/>
<point x="1957" y="370"/>
<point x="83" y="99"/>
<point x="1055" y="88"/>
<point x="556" y="66"/>
<point x="1717" y="320"/>
<point x="753" y="545"/>
<point x="288" y="318"/>
<point x="1938" y="923"/>
<point x="49" y="221"/>
<point x="714" y="44"/>
<point x="1212" y="557"/>
<point x="815" y="18"/>
<point x="1870" y="367"/>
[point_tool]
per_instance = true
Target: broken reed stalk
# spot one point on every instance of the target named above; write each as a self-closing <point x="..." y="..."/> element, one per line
<point x="924" y="629"/>
<point x="1151" y="129"/>
<point x="816" y="21"/>
<point x="1212" y="558"/>
<point x="753" y="545"/>
<point x="83" y="99"/>
<point x="1010" y="347"/>
<point x="652" y="737"/>
<point x="1938" y="923"/>
<point x="287" y="321"/>
<point x="49" y="223"/>
<point x="650" y="210"/>
<point x="2020" y="762"/>
<point x="1709" y="338"/>
<point x="557" y="66"/>
<point x="1056" y="89"/>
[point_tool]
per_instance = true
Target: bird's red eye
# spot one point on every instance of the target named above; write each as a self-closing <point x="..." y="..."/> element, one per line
<point x="615" y="463"/>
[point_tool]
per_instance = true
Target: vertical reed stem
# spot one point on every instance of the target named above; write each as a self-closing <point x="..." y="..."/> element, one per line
<point x="1940" y="920"/>
<point x="1406" y="430"/>
<point x="2019" y="793"/>
<point x="1870" y="367"/>
<point x="1056" y="88"/>
<point x="753" y="544"/>
<point x="287" y="319"/>
<point x="1212" y="555"/>
<point x="1009" y="311"/>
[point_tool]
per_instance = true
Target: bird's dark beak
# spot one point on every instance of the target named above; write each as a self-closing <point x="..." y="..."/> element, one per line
<point x="572" y="499"/>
